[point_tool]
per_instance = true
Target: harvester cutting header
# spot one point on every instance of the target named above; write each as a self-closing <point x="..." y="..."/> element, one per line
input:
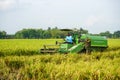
<point x="75" y="42"/>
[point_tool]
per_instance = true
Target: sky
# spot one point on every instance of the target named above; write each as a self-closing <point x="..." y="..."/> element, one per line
<point x="94" y="15"/>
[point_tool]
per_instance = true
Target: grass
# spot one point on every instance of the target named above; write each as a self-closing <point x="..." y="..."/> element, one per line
<point x="23" y="46"/>
<point x="20" y="60"/>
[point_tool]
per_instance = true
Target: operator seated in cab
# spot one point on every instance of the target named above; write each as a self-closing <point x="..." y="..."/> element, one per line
<point x="69" y="39"/>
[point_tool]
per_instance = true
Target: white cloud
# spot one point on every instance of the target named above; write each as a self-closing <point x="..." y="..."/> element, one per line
<point x="91" y="20"/>
<point x="7" y="4"/>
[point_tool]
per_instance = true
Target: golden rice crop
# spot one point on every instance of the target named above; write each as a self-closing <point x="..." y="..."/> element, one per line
<point x="97" y="66"/>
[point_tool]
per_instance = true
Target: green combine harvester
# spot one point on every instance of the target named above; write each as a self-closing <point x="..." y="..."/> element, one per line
<point x="81" y="43"/>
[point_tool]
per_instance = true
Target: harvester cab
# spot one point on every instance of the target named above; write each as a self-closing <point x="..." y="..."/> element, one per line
<point x="76" y="46"/>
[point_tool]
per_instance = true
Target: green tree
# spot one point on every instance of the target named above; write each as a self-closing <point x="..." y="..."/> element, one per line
<point x="116" y="34"/>
<point x="2" y="34"/>
<point x="55" y="33"/>
<point x="83" y="31"/>
<point x="18" y="34"/>
<point x="107" y="34"/>
<point x="46" y="34"/>
<point x="39" y="33"/>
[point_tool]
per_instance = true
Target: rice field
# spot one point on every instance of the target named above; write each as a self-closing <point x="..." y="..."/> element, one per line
<point x="20" y="60"/>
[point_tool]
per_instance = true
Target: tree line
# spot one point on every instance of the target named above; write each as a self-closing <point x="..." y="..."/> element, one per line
<point x="51" y="33"/>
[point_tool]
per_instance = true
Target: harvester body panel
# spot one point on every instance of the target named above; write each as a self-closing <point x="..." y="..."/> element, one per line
<point x="77" y="48"/>
<point x="64" y="47"/>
